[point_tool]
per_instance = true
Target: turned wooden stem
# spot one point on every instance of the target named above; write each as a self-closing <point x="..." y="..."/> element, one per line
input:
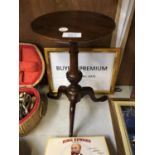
<point x="73" y="52"/>
<point x="73" y="76"/>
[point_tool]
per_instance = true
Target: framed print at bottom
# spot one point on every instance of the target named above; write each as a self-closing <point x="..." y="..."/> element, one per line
<point x="123" y="116"/>
<point x="77" y="146"/>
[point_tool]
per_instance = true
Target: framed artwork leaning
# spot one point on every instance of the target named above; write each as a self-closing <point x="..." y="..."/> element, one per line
<point x="99" y="66"/>
<point x="123" y="117"/>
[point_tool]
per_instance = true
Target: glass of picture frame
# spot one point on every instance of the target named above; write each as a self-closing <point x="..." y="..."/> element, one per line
<point x="99" y="67"/>
<point x="123" y="117"/>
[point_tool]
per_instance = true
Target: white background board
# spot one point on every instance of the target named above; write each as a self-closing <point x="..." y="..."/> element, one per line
<point x="97" y="69"/>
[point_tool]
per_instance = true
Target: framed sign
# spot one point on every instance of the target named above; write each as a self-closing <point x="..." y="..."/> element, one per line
<point x="123" y="114"/>
<point x="98" y="65"/>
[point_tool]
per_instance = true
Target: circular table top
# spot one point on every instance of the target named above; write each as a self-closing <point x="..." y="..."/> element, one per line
<point x="73" y="26"/>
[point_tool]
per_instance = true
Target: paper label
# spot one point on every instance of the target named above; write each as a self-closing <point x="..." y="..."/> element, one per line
<point x="72" y="35"/>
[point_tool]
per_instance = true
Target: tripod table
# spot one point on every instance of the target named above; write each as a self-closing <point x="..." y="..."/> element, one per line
<point x="72" y="28"/>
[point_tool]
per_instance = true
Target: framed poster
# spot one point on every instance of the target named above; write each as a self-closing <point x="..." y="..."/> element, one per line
<point x="123" y="115"/>
<point x="99" y="67"/>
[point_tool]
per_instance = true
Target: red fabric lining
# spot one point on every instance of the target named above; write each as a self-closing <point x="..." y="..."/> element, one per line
<point x="30" y="65"/>
<point x="26" y="66"/>
<point x="37" y="102"/>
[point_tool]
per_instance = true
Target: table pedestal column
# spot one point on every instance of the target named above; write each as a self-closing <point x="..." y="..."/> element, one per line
<point x="74" y="75"/>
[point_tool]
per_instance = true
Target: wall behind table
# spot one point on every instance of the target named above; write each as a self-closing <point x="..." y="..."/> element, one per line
<point x="31" y="9"/>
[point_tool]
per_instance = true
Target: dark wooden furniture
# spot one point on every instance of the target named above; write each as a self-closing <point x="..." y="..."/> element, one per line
<point x="92" y="26"/>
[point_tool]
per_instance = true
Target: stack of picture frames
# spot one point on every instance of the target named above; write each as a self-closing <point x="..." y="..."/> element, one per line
<point x="123" y="110"/>
<point x="123" y="117"/>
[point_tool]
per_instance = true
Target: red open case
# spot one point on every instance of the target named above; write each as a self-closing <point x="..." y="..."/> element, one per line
<point x="31" y="71"/>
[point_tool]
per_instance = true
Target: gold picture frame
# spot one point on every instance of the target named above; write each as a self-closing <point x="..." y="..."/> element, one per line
<point x="121" y="130"/>
<point x="116" y="65"/>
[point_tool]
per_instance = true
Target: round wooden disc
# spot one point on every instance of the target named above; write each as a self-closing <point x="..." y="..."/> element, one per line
<point x="75" y="26"/>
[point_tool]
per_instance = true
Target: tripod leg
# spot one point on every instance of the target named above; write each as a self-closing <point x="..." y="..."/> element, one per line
<point x="72" y="115"/>
<point x="89" y="91"/>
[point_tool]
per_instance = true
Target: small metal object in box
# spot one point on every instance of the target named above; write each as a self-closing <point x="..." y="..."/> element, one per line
<point x="31" y="71"/>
